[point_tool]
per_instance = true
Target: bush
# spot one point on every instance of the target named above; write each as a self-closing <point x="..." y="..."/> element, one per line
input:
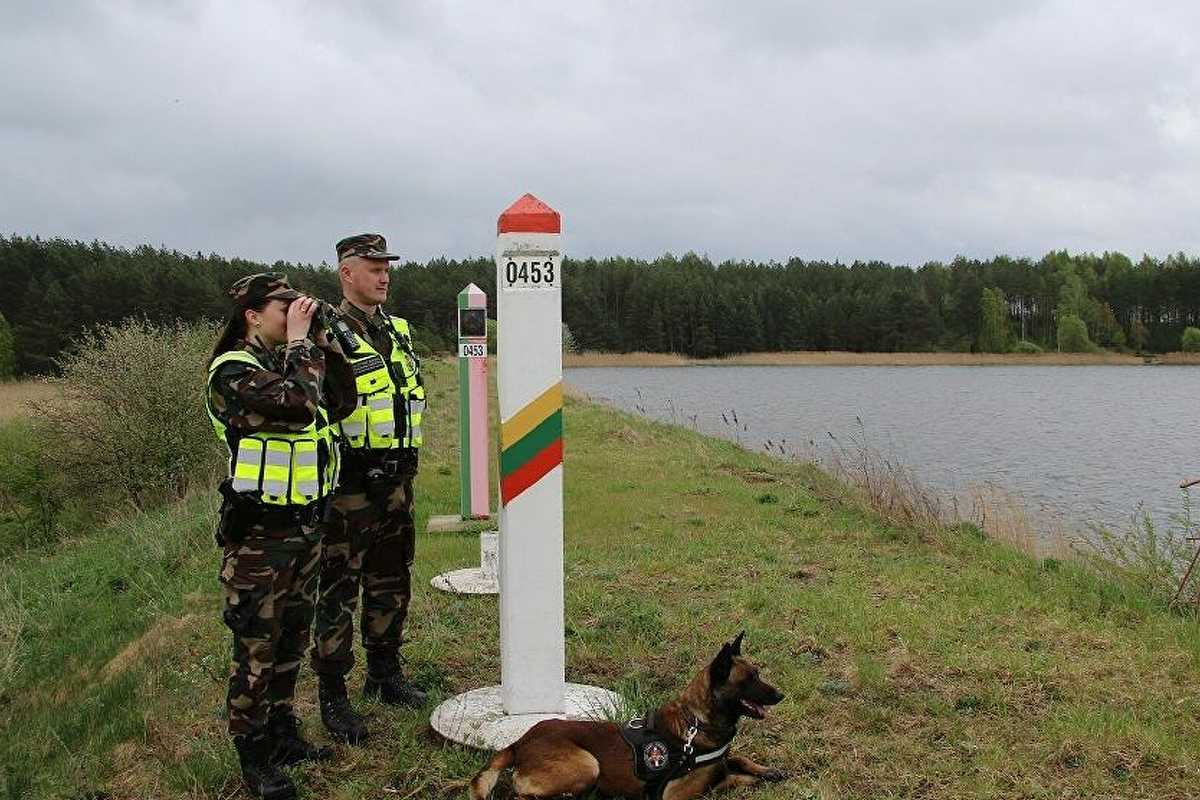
<point x="31" y="494"/>
<point x="129" y="423"/>
<point x="491" y="334"/>
<point x="1027" y="347"/>
<point x="569" y="345"/>
<point x="1145" y="554"/>
<point x="8" y="350"/>
<point x="1190" y="343"/>
<point x="426" y="342"/>
<point x="1073" y="335"/>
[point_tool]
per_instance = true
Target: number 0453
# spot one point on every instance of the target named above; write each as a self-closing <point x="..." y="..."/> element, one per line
<point x="530" y="274"/>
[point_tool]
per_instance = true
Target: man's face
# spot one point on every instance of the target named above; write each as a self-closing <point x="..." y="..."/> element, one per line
<point x="365" y="280"/>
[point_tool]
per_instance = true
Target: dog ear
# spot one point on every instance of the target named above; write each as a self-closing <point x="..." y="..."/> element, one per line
<point x="722" y="665"/>
<point x="737" y="644"/>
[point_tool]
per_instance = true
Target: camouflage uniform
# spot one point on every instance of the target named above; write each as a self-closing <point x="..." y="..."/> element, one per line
<point x="370" y="541"/>
<point x="270" y="577"/>
<point x="369" y="546"/>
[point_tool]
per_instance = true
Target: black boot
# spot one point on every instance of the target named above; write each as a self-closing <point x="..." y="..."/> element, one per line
<point x="263" y="779"/>
<point x="385" y="680"/>
<point x="339" y="718"/>
<point x="288" y="746"/>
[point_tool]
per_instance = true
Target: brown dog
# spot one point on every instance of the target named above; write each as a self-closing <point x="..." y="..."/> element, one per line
<point x="677" y="753"/>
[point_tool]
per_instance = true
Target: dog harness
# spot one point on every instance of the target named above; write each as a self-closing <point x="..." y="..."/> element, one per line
<point x="659" y="759"/>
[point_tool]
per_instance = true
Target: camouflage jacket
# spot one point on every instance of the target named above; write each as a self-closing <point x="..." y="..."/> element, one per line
<point x="284" y="395"/>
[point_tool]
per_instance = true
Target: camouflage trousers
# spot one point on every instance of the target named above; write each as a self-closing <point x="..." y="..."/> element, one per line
<point x="368" y="548"/>
<point x="270" y="584"/>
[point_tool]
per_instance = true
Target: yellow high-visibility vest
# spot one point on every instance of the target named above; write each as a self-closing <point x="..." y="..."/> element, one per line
<point x="284" y="467"/>
<point x="372" y="425"/>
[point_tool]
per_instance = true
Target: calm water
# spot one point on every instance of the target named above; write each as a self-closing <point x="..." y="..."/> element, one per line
<point x="1082" y="444"/>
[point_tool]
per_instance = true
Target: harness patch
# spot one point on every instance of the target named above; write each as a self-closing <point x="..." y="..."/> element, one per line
<point x="656" y="756"/>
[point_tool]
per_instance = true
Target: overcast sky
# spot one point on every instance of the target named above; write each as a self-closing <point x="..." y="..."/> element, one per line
<point x="902" y="131"/>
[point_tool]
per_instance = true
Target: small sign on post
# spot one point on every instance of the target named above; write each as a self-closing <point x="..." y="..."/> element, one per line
<point x="473" y="496"/>
<point x="532" y="647"/>
<point x="473" y="403"/>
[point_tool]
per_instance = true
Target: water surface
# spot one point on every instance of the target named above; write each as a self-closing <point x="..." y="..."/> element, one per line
<point x="1085" y="444"/>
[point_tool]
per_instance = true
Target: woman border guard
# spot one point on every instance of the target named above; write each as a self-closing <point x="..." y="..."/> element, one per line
<point x="274" y="394"/>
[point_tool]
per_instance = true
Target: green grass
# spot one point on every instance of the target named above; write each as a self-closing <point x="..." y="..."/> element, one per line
<point x="916" y="663"/>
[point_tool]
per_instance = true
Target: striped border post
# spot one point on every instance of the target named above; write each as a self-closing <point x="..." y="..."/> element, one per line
<point x="473" y="404"/>
<point x="529" y="377"/>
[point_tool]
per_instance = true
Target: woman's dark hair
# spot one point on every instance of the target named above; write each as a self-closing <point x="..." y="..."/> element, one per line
<point x="235" y="328"/>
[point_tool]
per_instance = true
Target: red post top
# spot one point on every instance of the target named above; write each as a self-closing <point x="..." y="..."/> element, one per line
<point x="529" y="215"/>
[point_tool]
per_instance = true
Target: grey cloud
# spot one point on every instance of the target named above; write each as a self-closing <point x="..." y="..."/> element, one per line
<point x="901" y="131"/>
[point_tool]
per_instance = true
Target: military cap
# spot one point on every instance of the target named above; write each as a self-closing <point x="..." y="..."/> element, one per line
<point x="367" y="245"/>
<point x="252" y="289"/>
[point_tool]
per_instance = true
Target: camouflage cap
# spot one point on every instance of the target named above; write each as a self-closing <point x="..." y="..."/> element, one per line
<point x="367" y="245"/>
<point x="252" y="289"/>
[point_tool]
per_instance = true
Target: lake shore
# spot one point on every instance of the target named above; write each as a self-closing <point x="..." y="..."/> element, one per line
<point x="837" y="358"/>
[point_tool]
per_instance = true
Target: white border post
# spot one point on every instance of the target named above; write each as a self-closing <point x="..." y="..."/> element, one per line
<point x="529" y="382"/>
<point x="532" y="649"/>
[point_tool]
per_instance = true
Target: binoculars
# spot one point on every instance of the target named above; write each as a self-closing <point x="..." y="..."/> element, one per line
<point x="326" y="318"/>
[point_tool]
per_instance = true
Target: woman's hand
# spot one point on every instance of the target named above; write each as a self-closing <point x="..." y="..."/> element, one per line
<point x="299" y="317"/>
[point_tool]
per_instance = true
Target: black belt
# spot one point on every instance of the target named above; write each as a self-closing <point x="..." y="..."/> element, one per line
<point x="292" y="515"/>
<point x="393" y="463"/>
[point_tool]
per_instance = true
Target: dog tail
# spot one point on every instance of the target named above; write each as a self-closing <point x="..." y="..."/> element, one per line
<point x="485" y="781"/>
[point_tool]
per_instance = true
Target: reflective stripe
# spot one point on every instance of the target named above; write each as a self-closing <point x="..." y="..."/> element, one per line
<point x="384" y="428"/>
<point x="274" y="487"/>
<point x="308" y="488"/>
<point x="416" y="405"/>
<point x="353" y="428"/>
<point x="306" y="457"/>
<point x="380" y="403"/>
<point x="277" y="457"/>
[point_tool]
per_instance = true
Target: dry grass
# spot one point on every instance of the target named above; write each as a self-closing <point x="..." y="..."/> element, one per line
<point x="1004" y="517"/>
<point x="16" y="397"/>
<point x="807" y="358"/>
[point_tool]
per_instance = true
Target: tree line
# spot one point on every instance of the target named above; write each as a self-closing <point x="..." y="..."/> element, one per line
<point x="51" y="290"/>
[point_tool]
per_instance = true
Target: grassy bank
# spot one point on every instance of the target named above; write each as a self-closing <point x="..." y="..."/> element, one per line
<point x="809" y="358"/>
<point x="916" y="662"/>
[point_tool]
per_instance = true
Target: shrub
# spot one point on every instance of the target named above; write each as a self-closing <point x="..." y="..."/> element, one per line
<point x="8" y="350"/>
<point x="427" y="342"/>
<point x="1073" y="335"/>
<point x="1145" y="554"/>
<point x="1190" y="342"/>
<point x="491" y="334"/>
<point x="129" y="419"/>
<point x="31" y="494"/>
<point x="1027" y="347"/>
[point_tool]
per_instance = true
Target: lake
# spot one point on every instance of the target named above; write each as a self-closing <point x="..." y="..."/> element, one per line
<point x="1078" y="444"/>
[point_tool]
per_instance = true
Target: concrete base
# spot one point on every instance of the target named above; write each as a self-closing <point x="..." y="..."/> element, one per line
<point x="452" y="523"/>
<point x="477" y="718"/>
<point x="467" y="581"/>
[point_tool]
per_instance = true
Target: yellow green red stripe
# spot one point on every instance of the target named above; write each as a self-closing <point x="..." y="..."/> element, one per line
<point x="531" y="443"/>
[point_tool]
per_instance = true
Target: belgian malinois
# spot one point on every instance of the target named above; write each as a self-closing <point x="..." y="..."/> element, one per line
<point x="679" y="752"/>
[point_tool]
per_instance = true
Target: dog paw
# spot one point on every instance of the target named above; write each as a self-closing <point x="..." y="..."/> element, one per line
<point x="775" y="775"/>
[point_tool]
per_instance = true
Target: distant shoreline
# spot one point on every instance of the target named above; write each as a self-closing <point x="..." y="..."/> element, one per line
<point x="828" y="358"/>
